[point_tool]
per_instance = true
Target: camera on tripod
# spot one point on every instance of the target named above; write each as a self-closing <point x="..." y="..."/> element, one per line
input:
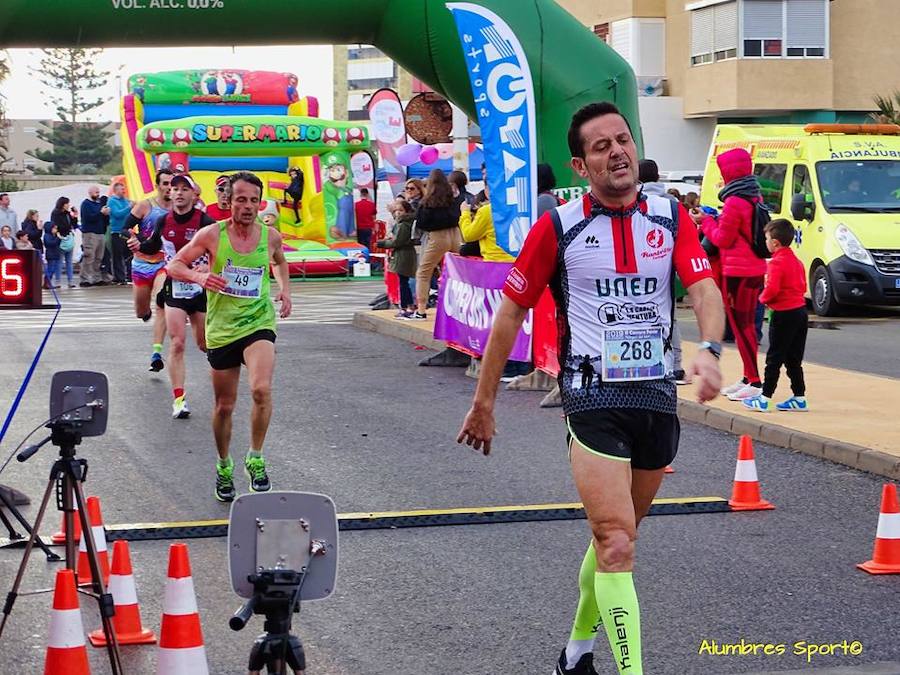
<point x="282" y="549"/>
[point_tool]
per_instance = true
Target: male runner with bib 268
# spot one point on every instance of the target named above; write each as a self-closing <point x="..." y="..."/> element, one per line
<point x="240" y="320"/>
<point x="148" y="271"/>
<point x="610" y="260"/>
<point x="185" y="301"/>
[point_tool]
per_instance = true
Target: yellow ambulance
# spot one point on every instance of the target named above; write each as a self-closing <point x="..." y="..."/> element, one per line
<point x="840" y="186"/>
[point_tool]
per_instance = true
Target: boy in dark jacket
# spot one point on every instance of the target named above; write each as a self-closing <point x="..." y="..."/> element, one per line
<point x="52" y="255"/>
<point x="784" y="294"/>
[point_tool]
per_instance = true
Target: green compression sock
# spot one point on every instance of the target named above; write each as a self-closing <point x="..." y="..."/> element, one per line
<point x="157" y="348"/>
<point x="587" y="615"/>
<point x="618" y="604"/>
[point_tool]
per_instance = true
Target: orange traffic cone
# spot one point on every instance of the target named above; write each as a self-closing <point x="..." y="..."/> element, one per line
<point x="669" y="469"/>
<point x="60" y="537"/>
<point x="127" y="620"/>
<point x="886" y="555"/>
<point x="84" y="568"/>
<point x="746" y="496"/>
<point x="181" y="650"/>
<point x="66" y="653"/>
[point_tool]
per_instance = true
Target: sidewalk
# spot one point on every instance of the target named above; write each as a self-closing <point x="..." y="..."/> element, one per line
<point x="848" y="421"/>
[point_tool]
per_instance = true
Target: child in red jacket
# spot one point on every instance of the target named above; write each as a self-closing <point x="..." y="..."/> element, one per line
<point x="784" y="294"/>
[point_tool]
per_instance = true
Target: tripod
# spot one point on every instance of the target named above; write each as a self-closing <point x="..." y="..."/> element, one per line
<point x="277" y="595"/>
<point x="6" y="502"/>
<point x="66" y="476"/>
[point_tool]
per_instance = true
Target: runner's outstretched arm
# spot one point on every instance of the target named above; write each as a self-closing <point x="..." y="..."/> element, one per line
<point x="282" y="274"/>
<point x="478" y="427"/>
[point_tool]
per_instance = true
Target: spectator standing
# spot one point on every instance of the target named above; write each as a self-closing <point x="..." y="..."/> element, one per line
<point x="458" y="182"/>
<point x="784" y="294"/>
<point x="22" y="242"/>
<point x="403" y="253"/>
<point x="221" y="210"/>
<point x="295" y="191"/>
<point x="546" y="180"/>
<point x="648" y="175"/>
<point x="437" y="217"/>
<point x="7" y="242"/>
<point x="32" y="227"/>
<point x="51" y="255"/>
<point x="480" y="230"/>
<point x="93" y="231"/>
<point x="413" y="192"/>
<point x="65" y="217"/>
<point x="7" y="215"/>
<point x="365" y="218"/>
<point x="742" y="270"/>
<point x="119" y="208"/>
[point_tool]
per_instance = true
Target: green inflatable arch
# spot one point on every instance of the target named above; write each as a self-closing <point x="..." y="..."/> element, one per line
<point x="569" y="65"/>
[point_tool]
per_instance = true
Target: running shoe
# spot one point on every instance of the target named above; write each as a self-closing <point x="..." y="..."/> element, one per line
<point x="747" y="391"/>
<point x="156" y="363"/>
<point x="416" y="316"/>
<point x="255" y="468"/>
<point x="793" y="404"/>
<point x="179" y="409"/>
<point x="402" y="314"/>
<point x="725" y="391"/>
<point x="225" y="481"/>
<point x="585" y="665"/>
<point x="758" y="403"/>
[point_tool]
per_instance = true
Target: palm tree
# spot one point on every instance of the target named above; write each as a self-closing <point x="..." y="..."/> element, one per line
<point x="888" y="109"/>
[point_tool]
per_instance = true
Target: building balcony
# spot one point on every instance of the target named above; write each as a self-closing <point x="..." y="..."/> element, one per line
<point x="758" y="86"/>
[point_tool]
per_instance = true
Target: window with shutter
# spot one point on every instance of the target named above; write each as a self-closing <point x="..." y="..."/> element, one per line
<point x="763" y="28"/>
<point x="725" y="31"/>
<point x="806" y="29"/>
<point x="702" y="28"/>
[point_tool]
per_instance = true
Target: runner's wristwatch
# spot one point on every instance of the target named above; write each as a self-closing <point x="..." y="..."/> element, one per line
<point x="714" y="348"/>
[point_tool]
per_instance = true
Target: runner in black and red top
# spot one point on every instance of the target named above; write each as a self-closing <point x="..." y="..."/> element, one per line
<point x="183" y="300"/>
<point x="610" y="261"/>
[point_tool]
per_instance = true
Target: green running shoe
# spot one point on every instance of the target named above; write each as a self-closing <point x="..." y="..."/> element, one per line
<point x="255" y="468"/>
<point x="225" y="481"/>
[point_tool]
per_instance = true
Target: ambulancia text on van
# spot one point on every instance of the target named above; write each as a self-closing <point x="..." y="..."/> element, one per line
<point x="840" y="186"/>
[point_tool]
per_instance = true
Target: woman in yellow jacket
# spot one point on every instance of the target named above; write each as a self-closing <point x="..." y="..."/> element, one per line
<point x="481" y="229"/>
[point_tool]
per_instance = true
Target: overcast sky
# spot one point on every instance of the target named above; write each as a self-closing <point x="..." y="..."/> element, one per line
<point x="26" y="98"/>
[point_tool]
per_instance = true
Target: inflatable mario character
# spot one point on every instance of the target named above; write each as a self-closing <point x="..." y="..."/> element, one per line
<point x="355" y="136"/>
<point x="181" y="138"/>
<point x="138" y="90"/>
<point x="268" y="212"/>
<point x="292" y="94"/>
<point x="331" y="136"/>
<point x="154" y="137"/>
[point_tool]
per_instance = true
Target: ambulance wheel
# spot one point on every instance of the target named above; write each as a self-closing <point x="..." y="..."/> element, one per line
<point x="823" y="300"/>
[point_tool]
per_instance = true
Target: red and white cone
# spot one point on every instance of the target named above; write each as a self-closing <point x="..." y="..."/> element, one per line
<point x="99" y="534"/>
<point x="745" y="496"/>
<point x="886" y="554"/>
<point x="181" y="650"/>
<point x="127" y="620"/>
<point x="66" y="653"/>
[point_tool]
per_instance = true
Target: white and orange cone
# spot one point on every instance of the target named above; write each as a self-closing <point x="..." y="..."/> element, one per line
<point x="66" y="653"/>
<point x="127" y="620"/>
<point x="181" y="650"/>
<point x="99" y="534"/>
<point x="886" y="553"/>
<point x="60" y="537"/>
<point x="745" y="496"/>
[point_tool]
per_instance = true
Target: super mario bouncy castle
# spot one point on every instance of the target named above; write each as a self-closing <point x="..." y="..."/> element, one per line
<point x="218" y="122"/>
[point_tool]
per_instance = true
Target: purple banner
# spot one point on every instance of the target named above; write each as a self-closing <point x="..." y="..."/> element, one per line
<point x="468" y="299"/>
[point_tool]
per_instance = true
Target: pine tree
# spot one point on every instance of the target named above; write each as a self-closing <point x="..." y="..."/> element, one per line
<point x="77" y="145"/>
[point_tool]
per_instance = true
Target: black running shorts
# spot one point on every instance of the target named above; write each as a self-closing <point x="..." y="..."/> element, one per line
<point x="648" y="439"/>
<point x="189" y="305"/>
<point x="232" y="354"/>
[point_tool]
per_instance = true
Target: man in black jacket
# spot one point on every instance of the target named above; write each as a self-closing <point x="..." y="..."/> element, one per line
<point x="93" y="237"/>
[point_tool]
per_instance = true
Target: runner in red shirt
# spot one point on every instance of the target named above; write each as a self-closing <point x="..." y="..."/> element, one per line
<point x="610" y="261"/>
<point x="221" y="210"/>
<point x="365" y="218"/>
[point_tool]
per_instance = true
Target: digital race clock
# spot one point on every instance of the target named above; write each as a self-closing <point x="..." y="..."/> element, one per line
<point x="20" y="279"/>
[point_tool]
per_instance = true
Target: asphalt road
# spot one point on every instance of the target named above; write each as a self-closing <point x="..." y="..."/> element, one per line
<point x="358" y="420"/>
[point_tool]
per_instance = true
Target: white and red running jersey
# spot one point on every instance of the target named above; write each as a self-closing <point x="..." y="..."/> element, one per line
<point x="612" y="274"/>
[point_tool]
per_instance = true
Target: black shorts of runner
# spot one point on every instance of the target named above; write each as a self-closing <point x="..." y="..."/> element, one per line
<point x="161" y="297"/>
<point x="648" y="439"/>
<point x="189" y="305"/>
<point x="232" y="354"/>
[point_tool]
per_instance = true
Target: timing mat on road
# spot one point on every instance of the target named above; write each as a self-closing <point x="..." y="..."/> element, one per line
<point x="387" y="520"/>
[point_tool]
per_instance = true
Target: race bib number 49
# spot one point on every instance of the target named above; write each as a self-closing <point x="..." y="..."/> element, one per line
<point x="634" y="354"/>
<point x="242" y="282"/>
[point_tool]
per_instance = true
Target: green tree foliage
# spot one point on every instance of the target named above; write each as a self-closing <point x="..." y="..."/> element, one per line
<point x="78" y="146"/>
<point x="888" y="109"/>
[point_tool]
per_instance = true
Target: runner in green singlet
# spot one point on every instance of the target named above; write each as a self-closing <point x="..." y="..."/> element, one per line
<point x="240" y="320"/>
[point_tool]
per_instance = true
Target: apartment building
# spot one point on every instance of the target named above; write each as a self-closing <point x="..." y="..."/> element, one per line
<point x="766" y="61"/>
<point x="21" y="136"/>
<point x="361" y="70"/>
